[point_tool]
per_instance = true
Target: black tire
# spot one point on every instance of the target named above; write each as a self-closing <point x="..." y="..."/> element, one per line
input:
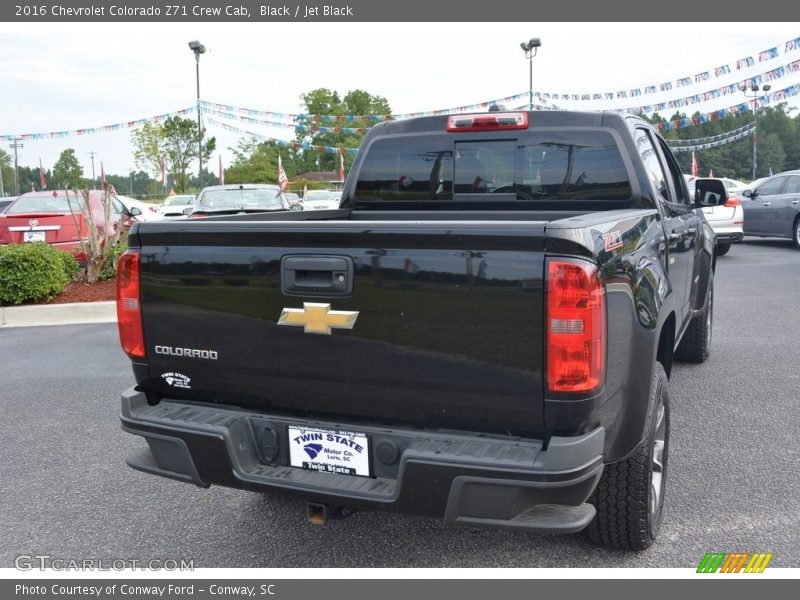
<point x="696" y="343"/>
<point x="630" y="495"/>
<point x="722" y="249"/>
<point x="797" y="233"/>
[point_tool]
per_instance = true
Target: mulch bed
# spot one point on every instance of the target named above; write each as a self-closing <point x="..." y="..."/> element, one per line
<point x="84" y="292"/>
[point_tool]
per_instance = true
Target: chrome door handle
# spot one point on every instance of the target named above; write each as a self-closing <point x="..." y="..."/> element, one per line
<point x="795" y="201"/>
<point x="767" y="203"/>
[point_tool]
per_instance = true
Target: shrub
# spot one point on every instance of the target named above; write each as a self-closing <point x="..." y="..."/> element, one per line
<point x="31" y="272"/>
<point x="71" y="266"/>
<point x="110" y="268"/>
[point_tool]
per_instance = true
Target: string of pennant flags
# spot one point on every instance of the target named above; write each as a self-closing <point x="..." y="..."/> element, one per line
<point x="712" y="138"/>
<point x="291" y="116"/>
<point x="252" y="112"/>
<point x="306" y="122"/>
<point x="730" y="111"/>
<point x="283" y="143"/>
<point x="295" y="126"/>
<point x="774" y="74"/>
<point x="742" y="63"/>
<point x="101" y="129"/>
<point x="713" y="144"/>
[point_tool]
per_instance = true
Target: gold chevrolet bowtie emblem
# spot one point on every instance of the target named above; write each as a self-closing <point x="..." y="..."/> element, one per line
<point x="318" y="318"/>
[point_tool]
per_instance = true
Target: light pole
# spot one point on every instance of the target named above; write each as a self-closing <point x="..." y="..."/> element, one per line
<point x="198" y="49"/>
<point x="754" y="89"/>
<point x="529" y="48"/>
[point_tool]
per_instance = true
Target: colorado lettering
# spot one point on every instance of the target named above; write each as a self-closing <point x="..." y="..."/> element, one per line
<point x="187" y="352"/>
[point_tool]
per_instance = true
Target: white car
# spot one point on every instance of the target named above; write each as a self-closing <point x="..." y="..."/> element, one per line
<point x="727" y="220"/>
<point x="733" y="185"/>
<point x="177" y="205"/>
<point x="149" y="212"/>
<point x="319" y="200"/>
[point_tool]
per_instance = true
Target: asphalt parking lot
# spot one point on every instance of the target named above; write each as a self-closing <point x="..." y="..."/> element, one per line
<point x="732" y="483"/>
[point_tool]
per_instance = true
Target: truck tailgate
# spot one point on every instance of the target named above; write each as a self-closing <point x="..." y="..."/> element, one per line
<point x="448" y="332"/>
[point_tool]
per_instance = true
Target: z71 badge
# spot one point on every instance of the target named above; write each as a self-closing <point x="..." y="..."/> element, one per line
<point x="613" y="240"/>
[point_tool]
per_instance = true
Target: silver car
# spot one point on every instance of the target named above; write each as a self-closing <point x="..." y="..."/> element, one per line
<point x="772" y="208"/>
<point x="727" y="220"/>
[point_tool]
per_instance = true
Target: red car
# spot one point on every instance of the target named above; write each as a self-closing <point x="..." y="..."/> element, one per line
<point x="55" y="217"/>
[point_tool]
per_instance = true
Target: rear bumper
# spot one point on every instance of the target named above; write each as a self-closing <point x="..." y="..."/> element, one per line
<point x="463" y="478"/>
<point x="727" y="232"/>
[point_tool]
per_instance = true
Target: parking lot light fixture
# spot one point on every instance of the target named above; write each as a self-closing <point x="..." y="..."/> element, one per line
<point x="529" y="48"/>
<point x="198" y="49"/>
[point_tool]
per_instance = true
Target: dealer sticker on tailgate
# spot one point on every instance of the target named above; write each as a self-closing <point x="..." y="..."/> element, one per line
<point x="329" y="451"/>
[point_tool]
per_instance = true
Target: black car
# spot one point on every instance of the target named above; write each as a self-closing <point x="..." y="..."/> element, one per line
<point x="772" y="208"/>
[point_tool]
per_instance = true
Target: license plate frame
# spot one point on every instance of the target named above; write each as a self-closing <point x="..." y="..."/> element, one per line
<point x="329" y="450"/>
<point x="34" y="236"/>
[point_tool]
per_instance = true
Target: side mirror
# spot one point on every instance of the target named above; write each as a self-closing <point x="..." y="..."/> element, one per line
<point x="188" y="210"/>
<point x="135" y="211"/>
<point x="749" y="193"/>
<point x="709" y="192"/>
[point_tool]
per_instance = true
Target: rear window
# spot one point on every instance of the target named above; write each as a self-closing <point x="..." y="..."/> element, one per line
<point x="43" y="203"/>
<point x="247" y="198"/>
<point x="545" y="166"/>
<point x="179" y="200"/>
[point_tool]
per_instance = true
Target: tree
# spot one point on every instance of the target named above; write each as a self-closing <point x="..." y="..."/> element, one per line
<point x="173" y="144"/>
<point x="100" y="244"/>
<point x="258" y="162"/>
<point x="6" y="174"/>
<point x="147" y="147"/>
<point x="323" y="101"/>
<point x="67" y="172"/>
<point x="180" y="147"/>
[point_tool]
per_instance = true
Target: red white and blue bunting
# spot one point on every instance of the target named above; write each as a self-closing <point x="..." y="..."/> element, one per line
<point x="283" y="143"/>
<point x="728" y="138"/>
<point x="713" y="138"/>
<point x="102" y="129"/>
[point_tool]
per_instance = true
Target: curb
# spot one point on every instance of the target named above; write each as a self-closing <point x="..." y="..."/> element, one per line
<point x="58" y="314"/>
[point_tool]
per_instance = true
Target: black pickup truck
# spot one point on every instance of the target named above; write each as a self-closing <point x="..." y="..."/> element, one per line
<point x="483" y="332"/>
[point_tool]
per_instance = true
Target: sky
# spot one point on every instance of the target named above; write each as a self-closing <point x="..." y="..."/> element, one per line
<point x="57" y="77"/>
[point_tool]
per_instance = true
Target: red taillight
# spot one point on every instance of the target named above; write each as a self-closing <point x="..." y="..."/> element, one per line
<point x="733" y="201"/>
<point x="576" y="327"/>
<point x="487" y="122"/>
<point x="195" y="215"/>
<point x="129" y="308"/>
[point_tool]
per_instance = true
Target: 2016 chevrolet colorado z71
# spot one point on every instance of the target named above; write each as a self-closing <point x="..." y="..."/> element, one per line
<point x="483" y="332"/>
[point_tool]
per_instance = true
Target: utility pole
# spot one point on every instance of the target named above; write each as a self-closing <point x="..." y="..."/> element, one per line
<point x="2" y="192"/>
<point x="92" y="153"/>
<point x="16" y="145"/>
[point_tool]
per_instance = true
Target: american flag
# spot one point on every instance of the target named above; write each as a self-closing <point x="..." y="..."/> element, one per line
<point x="695" y="166"/>
<point x="341" y="167"/>
<point x="283" y="181"/>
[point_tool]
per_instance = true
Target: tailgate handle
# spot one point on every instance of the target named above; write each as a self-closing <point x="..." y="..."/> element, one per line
<point x="307" y="275"/>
